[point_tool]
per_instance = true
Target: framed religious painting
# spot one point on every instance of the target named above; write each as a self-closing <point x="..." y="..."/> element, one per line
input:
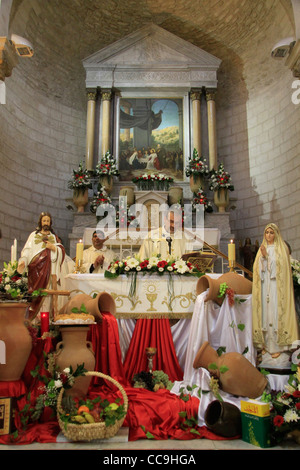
<point x="151" y="136"/>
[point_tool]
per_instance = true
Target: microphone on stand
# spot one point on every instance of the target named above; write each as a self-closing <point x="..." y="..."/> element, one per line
<point x="169" y="241"/>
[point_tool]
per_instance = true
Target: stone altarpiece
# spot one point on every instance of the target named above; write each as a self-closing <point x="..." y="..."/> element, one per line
<point x="151" y="64"/>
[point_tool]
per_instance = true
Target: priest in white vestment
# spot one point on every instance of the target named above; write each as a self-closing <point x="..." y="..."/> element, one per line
<point x="168" y="240"/>
<point x="97" y="258"/>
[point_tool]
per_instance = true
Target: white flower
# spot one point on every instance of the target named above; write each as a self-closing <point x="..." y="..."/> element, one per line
<point x="291" y="415"/>
<point x="120" y="264"/>
<point x="132" y="263"/>
<point x="127" y="268"/>
<point x="161" y="269"/>
<point x="58" y="383"/>
<point x="7" y="287"/>
<point x="153" y="260"/>
<point x="67" y="370"/>
<point x="7" y="279"/>
<point x="181" y="266"/>
<point x="170" y="268"/>
<point x="138" y="268"/>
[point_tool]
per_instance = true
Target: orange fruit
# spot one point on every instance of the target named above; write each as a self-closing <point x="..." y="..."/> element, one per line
<point x="83" y="409"/>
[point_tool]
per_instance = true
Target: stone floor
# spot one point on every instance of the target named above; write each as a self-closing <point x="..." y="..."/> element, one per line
<point x="120" y="443"/>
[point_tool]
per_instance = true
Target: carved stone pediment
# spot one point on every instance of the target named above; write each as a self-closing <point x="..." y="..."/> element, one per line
<point x="151" y="57"/>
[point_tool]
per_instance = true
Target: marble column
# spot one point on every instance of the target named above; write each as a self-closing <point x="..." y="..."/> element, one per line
<point x="106" y="96"/>
<point x="196" y="112"/>
<point x="212" y="129"/>
<point x="90" y="128"/>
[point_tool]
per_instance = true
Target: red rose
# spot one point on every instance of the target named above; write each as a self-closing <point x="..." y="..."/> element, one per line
<point x="296" y="394"/>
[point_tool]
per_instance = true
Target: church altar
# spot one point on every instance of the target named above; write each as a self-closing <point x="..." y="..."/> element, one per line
<point x="155" y="296"/>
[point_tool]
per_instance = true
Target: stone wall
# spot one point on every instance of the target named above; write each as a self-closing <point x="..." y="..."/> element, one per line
<point x="41" y="141"/>
<point x="259" y="143"/>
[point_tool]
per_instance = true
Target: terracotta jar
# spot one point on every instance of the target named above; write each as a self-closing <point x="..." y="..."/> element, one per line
<point x="16" y="340"/>
<point x="223" y="418"/>
<point x="241" y="378"/>
<point x="74" y="350"/>
<point x="221" y="199"/>
<point x="237" y="282"/>
<point x="103" y="302"/>
<point x="80" y="198"/>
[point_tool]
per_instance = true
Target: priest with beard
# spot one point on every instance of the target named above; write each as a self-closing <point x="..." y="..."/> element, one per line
<point x="43" y="255"/>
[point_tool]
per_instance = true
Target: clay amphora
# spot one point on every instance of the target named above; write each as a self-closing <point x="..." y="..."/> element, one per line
<point x="223" y="418"/>
<point x="16" y="342"/>
<point x="241" y="378"/>
<point x="103" y="302"/>
<point x="74" y="350"/>
<point x="235" y="281"/>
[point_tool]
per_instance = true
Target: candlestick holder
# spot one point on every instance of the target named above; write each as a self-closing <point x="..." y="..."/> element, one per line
<point x="231" y="264"/>
<point x="150" y="352"/>
<point x="78" y="267"/>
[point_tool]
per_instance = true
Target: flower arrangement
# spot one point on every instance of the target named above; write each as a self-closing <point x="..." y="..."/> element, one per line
<point x="295" y="264"/>
<point x="220" y="179"/>
<point x="285" y="407"/>
<point x="201" y="199"/>
<point x="153" y="181"/>
<point x="100" y="198"/>
<point x="107" y="166"/>
<point x="196" y="165"/>
<point x="80" y="179"/>
<point x="154" y="264"/>
<point x="53" y="381"/>
<point x="14" y="286"/>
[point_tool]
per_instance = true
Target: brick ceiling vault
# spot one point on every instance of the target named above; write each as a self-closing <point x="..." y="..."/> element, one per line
<point x="241" y="33"/>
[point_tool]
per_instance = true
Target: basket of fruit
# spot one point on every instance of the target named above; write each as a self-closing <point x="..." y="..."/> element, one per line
<point x="92" y="418"/>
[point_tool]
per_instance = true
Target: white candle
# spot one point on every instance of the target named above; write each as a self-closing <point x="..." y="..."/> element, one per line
<point x="15" y="249"/>
<point x="231" y="251"/>
<point x="79" y="251"/>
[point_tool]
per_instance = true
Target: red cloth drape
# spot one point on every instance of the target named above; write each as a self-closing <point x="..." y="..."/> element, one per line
<point x="156" y="413"/>
<point x="157" y="334"/>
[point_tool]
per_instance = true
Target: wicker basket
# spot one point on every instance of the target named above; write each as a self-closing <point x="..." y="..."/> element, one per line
<point x="90" y="431"/>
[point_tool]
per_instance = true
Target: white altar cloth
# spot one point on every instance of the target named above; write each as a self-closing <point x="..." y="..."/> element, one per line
<point x="155" y="296"/>
<point x="222" y="326"/>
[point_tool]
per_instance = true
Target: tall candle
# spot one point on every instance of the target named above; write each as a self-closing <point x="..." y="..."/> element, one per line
<point x="79" y="251"/>
<point x="15" y="249"/>
<point x="231" y="251"/>
<point x="44" y="322"/>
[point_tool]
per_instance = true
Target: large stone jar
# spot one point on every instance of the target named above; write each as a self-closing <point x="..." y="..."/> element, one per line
<point x="236" y="374"/>
<point x="80" y="198"/>
<point x="223" y="418"/>
<point x="128" y="191"/>
<point x="107" y="182"/>
<point x="237" y="282"/>
<point x="196" y="182"/>
<point x="74" y="350"/>
<point x="221" y="199"/>
<point x="16" y="340"/>
<point x="175" y="195"/>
